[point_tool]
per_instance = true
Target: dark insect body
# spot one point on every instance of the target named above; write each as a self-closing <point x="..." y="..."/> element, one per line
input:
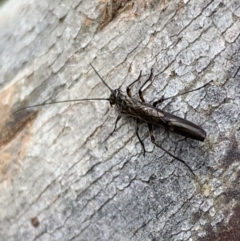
<point x="145" y="112"/>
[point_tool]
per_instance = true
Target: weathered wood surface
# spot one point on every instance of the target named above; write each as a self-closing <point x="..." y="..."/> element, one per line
<point x="62" y="176"/>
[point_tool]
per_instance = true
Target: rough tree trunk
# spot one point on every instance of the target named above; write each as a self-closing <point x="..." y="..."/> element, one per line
<point x="62" y="176"/>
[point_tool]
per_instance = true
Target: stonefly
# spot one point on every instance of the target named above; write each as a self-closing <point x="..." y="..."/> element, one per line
<point x="145" y="112"/>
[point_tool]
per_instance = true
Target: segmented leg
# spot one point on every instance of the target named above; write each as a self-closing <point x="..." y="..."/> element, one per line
<point x="141" y="142"/>
<point x="170" y="154"/>
<point x="183" y="93"/>
<point x="155" y="103"/>
<point x="128" y="89"/>
<point x="140" y="92"/>
<point x="115" y="126"/>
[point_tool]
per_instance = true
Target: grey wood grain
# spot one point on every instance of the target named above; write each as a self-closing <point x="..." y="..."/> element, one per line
<point x="62" y="176"/>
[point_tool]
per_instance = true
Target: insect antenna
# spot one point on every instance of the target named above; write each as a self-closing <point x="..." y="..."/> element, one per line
<point x="57" y="102"/>
<point x="101" y="78"/>
<point x="66" y="101"/>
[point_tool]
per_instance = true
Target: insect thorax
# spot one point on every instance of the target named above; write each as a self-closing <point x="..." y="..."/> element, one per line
<point x="118" y="98"/>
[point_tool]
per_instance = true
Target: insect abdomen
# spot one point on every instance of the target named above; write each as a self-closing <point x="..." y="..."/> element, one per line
<point x="184" y="127"/>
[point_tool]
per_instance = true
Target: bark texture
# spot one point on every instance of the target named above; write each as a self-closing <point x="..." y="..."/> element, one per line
<point x="62" y="177"/>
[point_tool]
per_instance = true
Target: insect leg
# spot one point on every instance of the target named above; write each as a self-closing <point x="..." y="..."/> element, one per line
<point x="128" y="89"/>
<point x="183" y="93"/>
<point x="170" y="154"/>
<point x="141" y="142"/>
<point x="140" y="92"/>
<point x="155" y="103"/>
<point x="115" y="126"/>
